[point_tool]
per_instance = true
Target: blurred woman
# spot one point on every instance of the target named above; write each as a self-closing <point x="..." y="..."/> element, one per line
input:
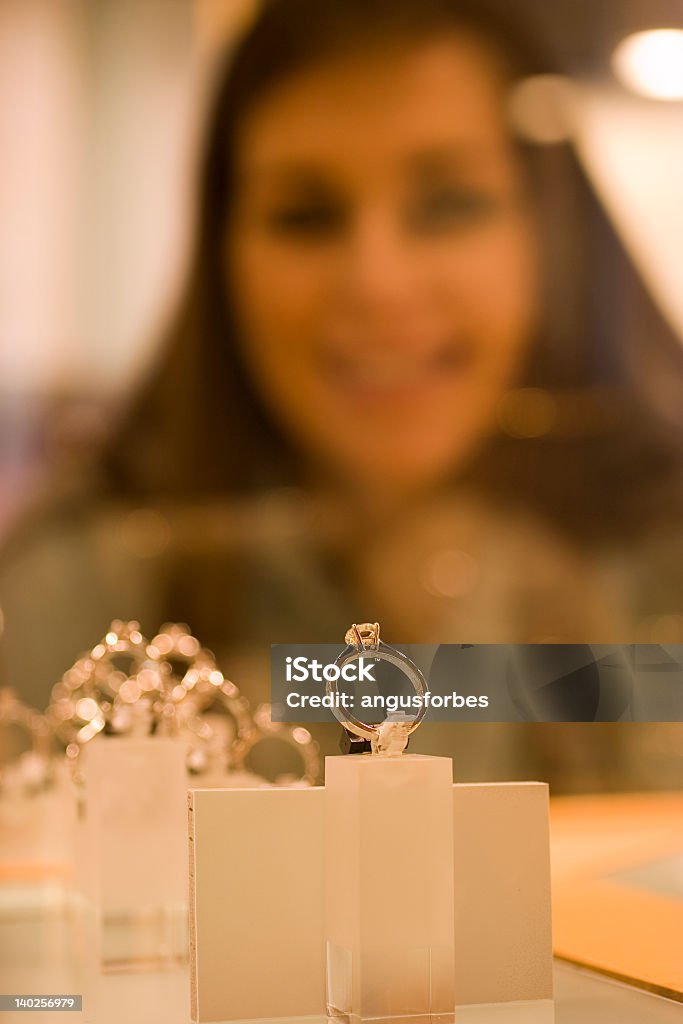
<point x="396" y="387"/>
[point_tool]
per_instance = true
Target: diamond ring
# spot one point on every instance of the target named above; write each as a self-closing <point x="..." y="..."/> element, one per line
<point x="391" y="735"/>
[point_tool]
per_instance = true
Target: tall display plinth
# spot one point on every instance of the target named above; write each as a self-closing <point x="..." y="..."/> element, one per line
<point x="133" y="851"/>
<point x="389" y="907"/>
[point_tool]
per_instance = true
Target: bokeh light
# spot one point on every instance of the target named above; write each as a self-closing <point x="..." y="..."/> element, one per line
<point x="651" y="63"/>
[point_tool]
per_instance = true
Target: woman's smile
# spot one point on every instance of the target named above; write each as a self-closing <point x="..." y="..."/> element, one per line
<point x="390" y="376"/>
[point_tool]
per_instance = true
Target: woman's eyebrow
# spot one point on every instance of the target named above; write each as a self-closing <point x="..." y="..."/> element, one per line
<point x="308" y="174"/>
<point x="314" y="175"/>
<point x="464" y="156"/>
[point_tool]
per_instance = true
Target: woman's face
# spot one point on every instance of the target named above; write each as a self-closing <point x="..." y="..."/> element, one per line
<point x="381" y="260"/>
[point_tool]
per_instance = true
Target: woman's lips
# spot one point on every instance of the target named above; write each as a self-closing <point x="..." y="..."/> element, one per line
<point x="385" y="376"/>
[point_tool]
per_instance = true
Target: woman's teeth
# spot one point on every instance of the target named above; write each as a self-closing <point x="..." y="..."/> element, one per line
<point x="396" y="373"/>
<point x="389" y="376"/>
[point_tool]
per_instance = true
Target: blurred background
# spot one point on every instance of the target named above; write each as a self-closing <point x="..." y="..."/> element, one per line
<point x="100" y="115"/>
<point x="103" y="111"/>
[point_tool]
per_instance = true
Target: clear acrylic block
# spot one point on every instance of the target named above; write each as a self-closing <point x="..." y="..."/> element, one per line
<point x="389" y="889"/>
<point x="134" y="849"/>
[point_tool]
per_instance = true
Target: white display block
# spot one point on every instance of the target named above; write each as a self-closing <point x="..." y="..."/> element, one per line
<point x="503" y="935"/>
<point x="389" y="888"/>
<point x="256" y="903"/>
<point x="536" y="1011"/>
<point x="257" y="891"/>
<point x="37" y="832"/>
<point x="133" y="848"/>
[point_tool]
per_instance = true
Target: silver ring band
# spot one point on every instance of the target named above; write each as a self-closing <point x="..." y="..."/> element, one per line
<point x="381" y="652"/>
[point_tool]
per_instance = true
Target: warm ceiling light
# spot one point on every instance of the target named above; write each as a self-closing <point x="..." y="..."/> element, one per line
<point x="651" y="63"/>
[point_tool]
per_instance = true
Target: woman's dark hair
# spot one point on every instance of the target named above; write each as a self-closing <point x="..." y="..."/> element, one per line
<point x="197" y="426"/>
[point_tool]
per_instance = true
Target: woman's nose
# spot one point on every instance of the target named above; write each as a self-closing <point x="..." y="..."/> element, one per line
<point x="381" y="279"/>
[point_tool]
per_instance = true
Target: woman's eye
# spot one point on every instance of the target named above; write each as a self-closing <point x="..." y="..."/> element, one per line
<point x="306" y="220"/>
<point x="450" y="209"/>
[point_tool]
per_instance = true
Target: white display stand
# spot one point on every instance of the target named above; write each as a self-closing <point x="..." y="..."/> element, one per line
<point x="132" y="851"/>
<point x="257" y="890"/>
<point x="389" y="928"/>
<point x="36" y="832"/>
